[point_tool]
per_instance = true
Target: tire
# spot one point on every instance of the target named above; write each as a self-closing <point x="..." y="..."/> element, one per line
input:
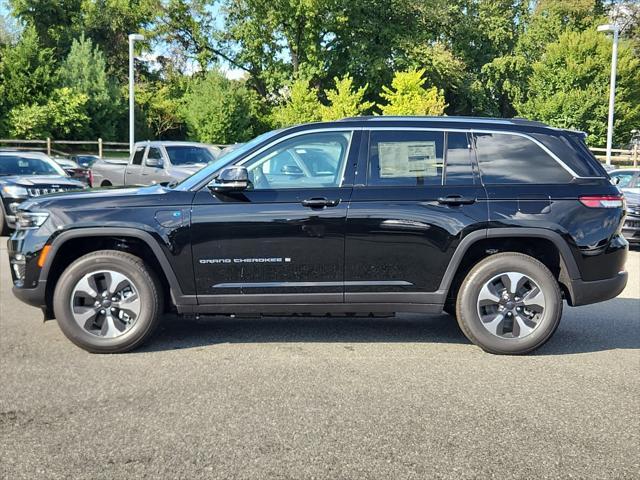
<point x="139" y="302"/>
<point x="4" y="228"/>
<point x="522" y="320"/>
<point x="106" y="183"/>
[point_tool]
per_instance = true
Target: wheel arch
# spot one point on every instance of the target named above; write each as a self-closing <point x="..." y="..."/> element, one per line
<point x="70" y="245"/>
<point x="546" y="245"/>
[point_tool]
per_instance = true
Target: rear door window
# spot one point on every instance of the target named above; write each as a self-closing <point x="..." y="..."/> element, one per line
<point x="509" y="158"/>
<point x="458" y="169"/>
<point x="137" y="157"/>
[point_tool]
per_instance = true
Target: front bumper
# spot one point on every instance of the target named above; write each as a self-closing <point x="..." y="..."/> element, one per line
<point x="32" y="296"/>
<point x="586" y="293"/>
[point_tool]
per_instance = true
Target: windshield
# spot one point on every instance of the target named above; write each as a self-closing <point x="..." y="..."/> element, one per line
<point x="224" y="160"/>
<point x="17" y="165"/>
<point x="189" y="154"/>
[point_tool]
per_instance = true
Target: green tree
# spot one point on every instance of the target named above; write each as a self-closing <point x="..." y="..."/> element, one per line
<point x="219" y="110"/>
<point x="301" y="105"/>
<point x="570" y="83"/>
<point x="84" y="70"/>
<point x="345" y="101"/>
<point x="407" y="96"/>
<point x="62" y="116"/>
<point x="160" y="110"/>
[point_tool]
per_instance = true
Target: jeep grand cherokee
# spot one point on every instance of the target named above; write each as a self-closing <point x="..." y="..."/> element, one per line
<point x="497" y="222"/>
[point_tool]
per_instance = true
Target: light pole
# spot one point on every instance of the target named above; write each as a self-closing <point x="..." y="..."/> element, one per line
<point x="132" y="38"/>
<point x="612" y="85"/>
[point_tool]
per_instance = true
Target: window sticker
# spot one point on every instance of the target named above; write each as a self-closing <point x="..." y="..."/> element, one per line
<point x="407" y="159"/>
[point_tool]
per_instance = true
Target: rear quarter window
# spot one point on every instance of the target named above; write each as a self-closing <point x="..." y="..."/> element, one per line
<point x="509" y="158"/>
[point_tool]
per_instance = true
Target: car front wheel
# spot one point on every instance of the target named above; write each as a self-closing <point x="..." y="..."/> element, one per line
<point x="509" y="303"/>
<point x="108" y="302"/>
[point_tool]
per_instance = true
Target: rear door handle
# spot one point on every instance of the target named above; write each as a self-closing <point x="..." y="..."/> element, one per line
<point x="456" y="200"/>
<point x="319" y="202"/>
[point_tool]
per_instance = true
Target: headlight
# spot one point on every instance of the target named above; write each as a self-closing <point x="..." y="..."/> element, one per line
<point x="14" y="191"/>
<point x="30" y="220"/>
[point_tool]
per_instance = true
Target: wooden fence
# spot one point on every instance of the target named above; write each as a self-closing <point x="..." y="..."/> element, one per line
<point x="64" y="147"/>
<point x="619" y="157"/>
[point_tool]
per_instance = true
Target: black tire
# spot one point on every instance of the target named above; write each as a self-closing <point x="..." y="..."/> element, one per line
<point x="106" y="183"/>
<point x="4" y="228"/>
<point x="149" y="292"/>
<point x="487" y="269"/>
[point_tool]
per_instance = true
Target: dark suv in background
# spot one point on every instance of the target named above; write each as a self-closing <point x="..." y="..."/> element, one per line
<point x="494" y="221"/>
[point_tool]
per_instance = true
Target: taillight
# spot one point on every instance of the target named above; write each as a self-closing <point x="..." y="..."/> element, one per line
<point x="602" y="201"/>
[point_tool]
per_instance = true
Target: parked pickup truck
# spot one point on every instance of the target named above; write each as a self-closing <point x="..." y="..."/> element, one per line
<point x="154" y="163"/>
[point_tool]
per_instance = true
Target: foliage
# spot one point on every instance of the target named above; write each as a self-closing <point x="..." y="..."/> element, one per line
<point x="219" y="110"/>
<point x="345" y="101"/>
<point x="84" y="71"/>
<point x="160" y="110"/>
<point x="63" y="116"/>
<point x="301" y="105"/>
<point x="570" y="84"/>
<point x="407" y="96"/>
<point x="475" y="57"/>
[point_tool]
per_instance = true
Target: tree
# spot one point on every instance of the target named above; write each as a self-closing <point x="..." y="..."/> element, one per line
<point x="300" y="106"/>
<point x="219" y="110"/>
<point x="569" y="86"/>
<point x="26" y="74"/>
<point x="160" y="109"/>
<point x="345" y="101"/>
<point x="62" y="116"/>
<point x="84" y="71"/>
<point x="407" y="96"/>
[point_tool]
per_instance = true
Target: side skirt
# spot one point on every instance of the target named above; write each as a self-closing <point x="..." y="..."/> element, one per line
<point x="311" y="308"/>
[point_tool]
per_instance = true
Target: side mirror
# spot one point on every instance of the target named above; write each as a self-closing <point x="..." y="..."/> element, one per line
<point x="615" y="180"/>
<point x="154" y="162"/>
<point x="230" y="179"/>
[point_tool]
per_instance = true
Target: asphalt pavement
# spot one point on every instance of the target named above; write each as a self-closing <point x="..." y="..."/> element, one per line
<point x="290" y="398"/>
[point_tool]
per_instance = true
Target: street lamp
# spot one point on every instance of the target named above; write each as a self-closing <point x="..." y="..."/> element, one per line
<point x="132" y="38"/>
<point x="612" y="85"/>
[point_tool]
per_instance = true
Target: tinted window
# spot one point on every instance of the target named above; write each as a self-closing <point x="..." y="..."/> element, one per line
<point x="508" y="158"/>
<point x="137" y="158"/>
<point x="458" y="169"/>
<point x="15" y="165"/>
<point x="154" y="153"/>
<point x="405" y="158"/>
<point x="308" y="161"/>
<point x="189" y="155"/>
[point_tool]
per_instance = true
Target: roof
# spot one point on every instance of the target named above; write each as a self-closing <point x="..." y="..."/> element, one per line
<point x="447" y="119"/>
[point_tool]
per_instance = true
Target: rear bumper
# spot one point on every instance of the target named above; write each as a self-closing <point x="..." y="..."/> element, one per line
<point x="585" y="293"/>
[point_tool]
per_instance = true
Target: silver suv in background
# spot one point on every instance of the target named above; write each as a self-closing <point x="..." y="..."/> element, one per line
<point x="159" y="162"/>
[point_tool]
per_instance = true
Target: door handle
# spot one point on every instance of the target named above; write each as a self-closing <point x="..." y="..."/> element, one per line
<point x="456" y="200"/>
<point x="319" y="202"/>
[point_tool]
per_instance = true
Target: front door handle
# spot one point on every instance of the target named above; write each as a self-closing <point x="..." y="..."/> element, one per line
<point x="456" y="200"/>
<point x="320" y="202"/>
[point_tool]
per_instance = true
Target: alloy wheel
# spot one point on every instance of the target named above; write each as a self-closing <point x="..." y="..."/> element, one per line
<point x="105" y="303"/>
<point x="511" y="305"/>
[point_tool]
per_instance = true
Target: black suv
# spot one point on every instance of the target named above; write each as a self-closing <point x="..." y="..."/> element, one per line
<point x="494" y="221"/>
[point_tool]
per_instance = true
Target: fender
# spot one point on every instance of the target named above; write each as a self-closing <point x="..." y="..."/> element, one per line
<point x="565" y="252"/>
<point x="176" y="291"/>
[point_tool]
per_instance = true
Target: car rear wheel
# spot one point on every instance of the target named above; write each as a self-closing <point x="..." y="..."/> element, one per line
<point x="509" y="303"/>
<point x="108" y="302"/>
